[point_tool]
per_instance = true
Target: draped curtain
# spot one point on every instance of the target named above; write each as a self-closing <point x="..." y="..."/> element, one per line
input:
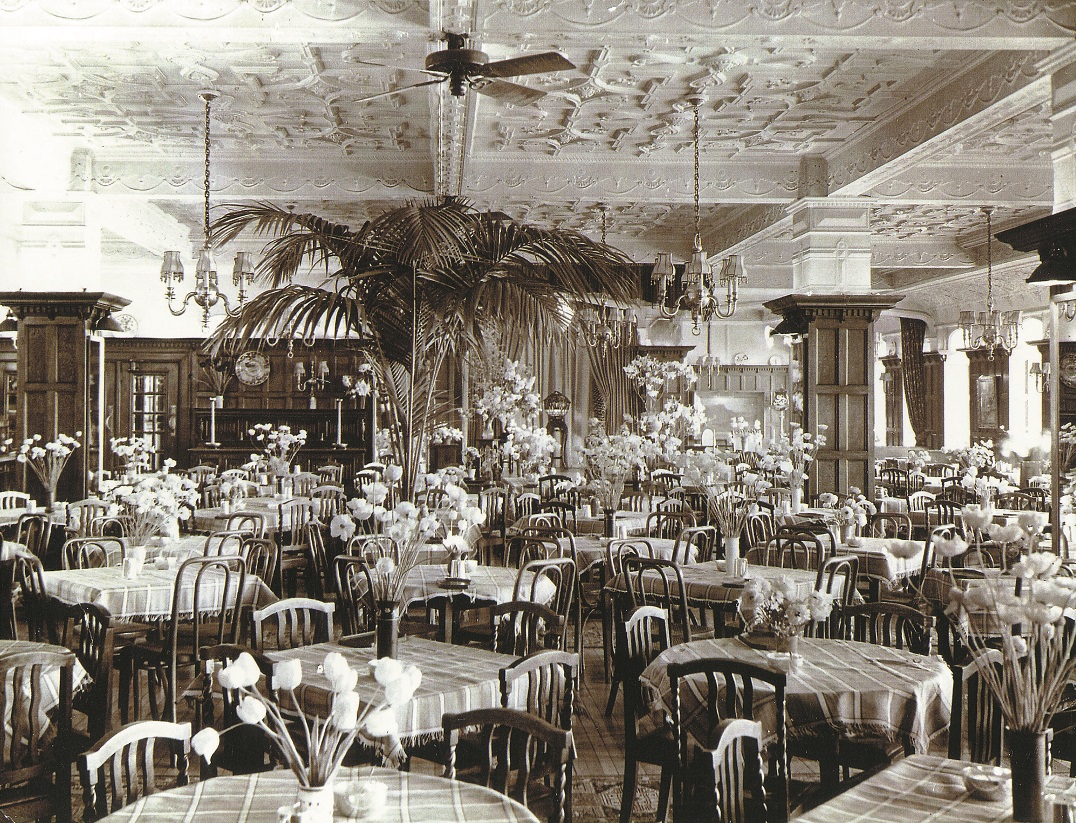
<point x="913" y="365"/>
<point x="607" y="370"/>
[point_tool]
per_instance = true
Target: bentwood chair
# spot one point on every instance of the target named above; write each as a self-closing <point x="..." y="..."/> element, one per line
<point x="35" y="759"/>
<point x="121" y="767"/>
<point x="739" y="781"/>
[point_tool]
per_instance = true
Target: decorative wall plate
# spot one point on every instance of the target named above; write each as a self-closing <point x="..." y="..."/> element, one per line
<point x="128" y="322"/>
<point x="1066" y="371"/>
<point x="252" y="368"/>
<point x="775" y="360"/>
<point x="740" y="359"/>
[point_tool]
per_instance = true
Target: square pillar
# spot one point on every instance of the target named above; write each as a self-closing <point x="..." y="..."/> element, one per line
<point x="54" y="375"/>
<point x="838" y="381"/>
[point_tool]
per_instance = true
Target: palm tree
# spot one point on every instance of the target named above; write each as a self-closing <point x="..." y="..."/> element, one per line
<point x="416" y="285"/>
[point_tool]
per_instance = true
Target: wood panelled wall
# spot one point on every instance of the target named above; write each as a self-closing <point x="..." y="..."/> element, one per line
<point x="893" y="389"/>
<point x="989" y="396"/>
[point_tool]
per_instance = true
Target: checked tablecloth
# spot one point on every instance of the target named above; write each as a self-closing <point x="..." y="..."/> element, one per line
<point x="707" y="586"/>
<point x="917" y="789"/>
<point x="454" y="679"/>
<point x="837" y="684"/>
<point x="149" y="596"/>
<point x="255" y="798"/>
<point x="488" y="583"/>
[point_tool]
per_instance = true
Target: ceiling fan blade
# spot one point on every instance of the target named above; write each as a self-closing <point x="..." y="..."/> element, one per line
<point x="512" y="93"/>
<point x="394" y="67"/>
<point x="399" y="90"/>
<point x="527" y="64"/>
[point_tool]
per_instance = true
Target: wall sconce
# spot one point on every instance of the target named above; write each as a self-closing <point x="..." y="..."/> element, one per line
<point x="1041" y="373"/>
<point x="314" y="382"/>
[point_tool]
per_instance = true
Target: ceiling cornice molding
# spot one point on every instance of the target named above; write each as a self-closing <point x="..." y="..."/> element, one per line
<point x="1007" y="24"/>
<point x="1014" y="185"/>
<point x="965" y="106"/>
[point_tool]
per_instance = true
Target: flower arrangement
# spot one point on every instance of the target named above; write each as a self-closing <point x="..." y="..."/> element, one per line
<point x="532" y="447"/>
<point x="135" y="452"/>
<point x="1038" y="659"/>
<point x="779" y="608"/>
<point x="506" y="392"/>
<point x="443" y="433"/>
<point x="652" y="375"/>
<point x="155" y="505"/>
<point x="792" y="453"/>
<point x="669" y="427"/>
<point x="918" y="459"/>
<point x="855" y="510"/>
<point x="278" y="443"/>
<point x="978" y="456"/>
<point x="361" y="384"/>
<point x="409" y="526"/>
<point x="48" y="459"/>
<point x="612" y="459"/>
<point x="326" y="740"/>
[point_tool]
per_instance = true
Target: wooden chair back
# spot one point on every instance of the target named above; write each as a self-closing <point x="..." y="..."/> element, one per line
<point x="891" y="624"/>
<point x="291" y="623"/>
<point x="354" y="594"/>
<point x="739" y="781"/>
<point x="120" y="769"/>
<point x="544" y="683"/>
<point x="92" y="552"/>
<point x="523" y="627"/>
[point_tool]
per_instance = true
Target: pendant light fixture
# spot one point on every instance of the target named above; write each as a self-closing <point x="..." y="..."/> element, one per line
<point x="699" y="293"/>
<point x="990" y="330"/>
<point x="206" y="292"/>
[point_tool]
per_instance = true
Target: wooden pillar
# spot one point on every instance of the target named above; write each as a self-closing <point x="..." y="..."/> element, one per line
<point x="838" y="382"/>
<point x="893" y="390"/>
<point x="55" y="377"/>
<point x="935" y="385"/>
<point x="988" y="407"/>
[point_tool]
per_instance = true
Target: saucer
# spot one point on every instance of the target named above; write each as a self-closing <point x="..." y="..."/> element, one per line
<point x="455" y="583"/>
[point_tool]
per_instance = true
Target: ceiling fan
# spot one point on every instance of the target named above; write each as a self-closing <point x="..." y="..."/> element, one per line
<point x="469" y="68"/>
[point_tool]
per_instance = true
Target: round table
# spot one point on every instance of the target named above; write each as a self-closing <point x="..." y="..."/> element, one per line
<point x="255" y="798"/>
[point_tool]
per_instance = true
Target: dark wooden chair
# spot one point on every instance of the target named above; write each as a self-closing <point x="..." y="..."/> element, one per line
<point x="522" y="627"/>
<point x="94" y="646"/>
<point x="34" y="532"/>
<point x="35" y="760"/>
<point x="641" y="637"/>
<point x="739" y="780"/>
<point x="976" y="725"/>
<point x="120" y="769"/>
<point x="91" y="552"/>
<point x="519" y="752"/>
<point x="838" y="577"/>
<point x="544" y="683"/>
<point x="726" y="691"/>
<point x="184" y="635"/>
<point x="892" y="525"/>
<point x="669" y="524"/>
<point x="354" y="594"/>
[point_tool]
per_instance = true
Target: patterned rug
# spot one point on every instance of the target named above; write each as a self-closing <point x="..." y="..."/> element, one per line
<point x="646" y="799"/>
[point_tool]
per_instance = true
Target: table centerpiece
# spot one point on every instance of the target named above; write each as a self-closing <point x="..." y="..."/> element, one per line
<point x="410" y="527"/>
<point x="48" y="459"/>
<point x="790" y="455"/>
<point x="316" y="757"/>
<point x="611" y="460"/>
<point x="279" y="444"/>
<point x="154" y="506"/>
<point x="136" y="454"/>
<point x="774" y="615"/>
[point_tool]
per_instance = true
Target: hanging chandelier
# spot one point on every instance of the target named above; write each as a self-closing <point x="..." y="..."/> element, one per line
<point x="602" y="326"/>
<point x="990" y="330"/>
<point x="206" y="292"/>
<point x="700" y="294"/>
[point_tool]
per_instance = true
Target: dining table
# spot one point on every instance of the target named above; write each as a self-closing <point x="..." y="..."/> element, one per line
<point x="429" y="584"/>
<point x="918" y="789"/>
<point x="9" y="517"/>
<point x="149" y="595"/>
<point x="256" y="798"/>
<point x="833" y="686"/>
<point x="454" y="679"/>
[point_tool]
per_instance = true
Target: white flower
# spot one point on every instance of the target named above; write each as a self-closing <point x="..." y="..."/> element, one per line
<point x="382" y="723"/>
<point x="393" y="473"/>
<point x="905" y="549"/>
<point x="1032" y="521"/>
<point x="402" y="689"/>
<point x="242" y="673"/>
<point x="342" y="526"/>
<point x="333" y="664"/>
<point x="385" y="566"/>
<point x="1037" y="564"/>
<point x="341" y="677"/>
<point x="386" y="670"/>
<point x="946" y="547"/>
<point x="206" y="743"/>
<point x="287" y="674"/>
<point x="250" y="710"/>
<point x="345" y="711"/>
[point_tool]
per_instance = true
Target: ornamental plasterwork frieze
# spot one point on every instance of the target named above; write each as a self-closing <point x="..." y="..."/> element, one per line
<point x="924" y="253"/>
<point x="1036" y="23"/>
<point x="995" y="79"/>
<point x="1029" y="185"/>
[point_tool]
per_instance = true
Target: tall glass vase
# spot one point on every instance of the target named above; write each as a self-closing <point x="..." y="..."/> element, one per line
<point x="797" y="499"/>
<point x="1027" y="759"/>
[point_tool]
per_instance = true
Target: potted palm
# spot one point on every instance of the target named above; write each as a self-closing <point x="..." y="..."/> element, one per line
<point x="415" y="286"/>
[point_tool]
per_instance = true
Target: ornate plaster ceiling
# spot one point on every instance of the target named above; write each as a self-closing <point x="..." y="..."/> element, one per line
<point x="922" y="109"/>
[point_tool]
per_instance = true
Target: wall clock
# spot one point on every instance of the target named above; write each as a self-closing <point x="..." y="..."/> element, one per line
<point x="1067" y="370"/>
<point x="252" y="368"/>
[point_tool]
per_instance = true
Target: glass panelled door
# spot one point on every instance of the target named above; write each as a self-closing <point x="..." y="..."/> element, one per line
<point x="152" y="414"/>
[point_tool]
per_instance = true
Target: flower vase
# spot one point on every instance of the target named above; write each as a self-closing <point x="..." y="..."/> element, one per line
<point x="608" y="527"/>
<point x="1027" y="759"/>
<point x="732" y="553"/>
<point x="314" y="804"/>
<point x="848" y="534"/>
<point x="797" y="499"/>
<point x="388" y="628"/>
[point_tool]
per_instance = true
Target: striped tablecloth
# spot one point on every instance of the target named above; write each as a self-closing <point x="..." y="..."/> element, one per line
<point x="706" y="585"/>
<point x="11" y="516"/>
<point x="877" y="564"/>
<point x="182" y="548"/>
<point x="214" y="519"/>
<point x="149" y="596"/>
<point x="918" y="789"/>
<point x="837" y="684"/>
<point x="590" y="549"/>
<point x="454" y="679"/>
<point x="255" y="798"/>
<point x="489" y="583"/>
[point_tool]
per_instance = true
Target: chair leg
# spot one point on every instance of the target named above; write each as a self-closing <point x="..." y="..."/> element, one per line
<point x="614" y="687"/>
<point x="664" y="789"/>
<point x="126" y="668"/>
<point x="627" y="793"/>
